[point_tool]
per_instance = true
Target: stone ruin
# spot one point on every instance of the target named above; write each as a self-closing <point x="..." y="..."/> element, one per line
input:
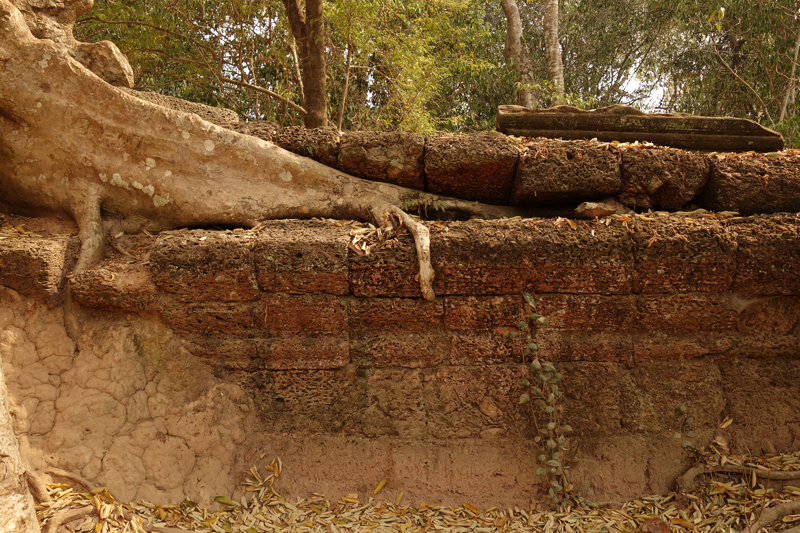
<point x="185" y="357"/>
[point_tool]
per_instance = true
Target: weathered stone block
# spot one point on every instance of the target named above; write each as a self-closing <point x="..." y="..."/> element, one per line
<point x="478" y="166"/>
<point x="468" y="402"/>
<point x="408" y="350"/>
<point x="478" y="328"/>
<point x="129" y="288"/>
<point x="766" y="256"/>
<point x="202" y="266"/>
<point x="307" y="316"/>
<point x="36" y="267"/>
<point x="302" y="256"/>
<point x="686" y="314"/>
<point x="503" y="257"/>
<point x="552" y="172"/>
<point x="393" y="157"/>
<point x="587" y="312"/>
<point x="320" y="144"/>
<point x="753" y="183"/>
<point x="560" y="345"/>
<point x="659" y="177"/>
<point x="214" y="319"/>
<point x="396" y="315"/>
<point x="674" y="254"/>
<point x="227" y="352"/>
<point x="294" y="353"/>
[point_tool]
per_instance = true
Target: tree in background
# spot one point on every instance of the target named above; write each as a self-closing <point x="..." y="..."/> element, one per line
<point x="738" y="61"/>
<point x="517" y="55"/>
<point x="439" y="65"/>
<point x="309" y="31"/>
<point x="555" y="68"/>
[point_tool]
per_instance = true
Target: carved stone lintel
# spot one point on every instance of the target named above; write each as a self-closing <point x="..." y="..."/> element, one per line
<point x="627" y="124"/>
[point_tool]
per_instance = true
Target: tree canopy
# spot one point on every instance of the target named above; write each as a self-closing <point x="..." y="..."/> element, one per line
<point x="438" y="65"/>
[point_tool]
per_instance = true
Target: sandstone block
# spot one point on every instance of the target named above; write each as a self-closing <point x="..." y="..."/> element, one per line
<point x="307" y="316"/>
<point x="552" y="172"/>
<point x="766" y="256"/>
<point x="216" y="319"/>
<point x="503" y="257"/>
<point x="478" y="166"/>
<point x="393" y="157"/>
<point x="395" y="315"/>
<point x="674" y="254"/>
<point x="320" y="144"/>
<point x="659" y="177"/>
<point x="575" y="345"/>
<point x="233" y="353"/>
<point x="408" y="350"/>
<point x="753" y="183"/>
<point x="307" y="353"/>
<point x="37" y="267"/>
<point x="129" y="289"/>
<point x="302" y="256"/>
<point x="202" y="266"/>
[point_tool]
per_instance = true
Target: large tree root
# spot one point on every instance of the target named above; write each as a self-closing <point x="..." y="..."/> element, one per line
<point x="772" y="514"/>
<point x="686" y="481"/>
<point x="66" y="517"/>
<point x="73" y="144"/>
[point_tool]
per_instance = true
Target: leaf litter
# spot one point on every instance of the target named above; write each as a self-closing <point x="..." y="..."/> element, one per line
<point x="726" y="504"/>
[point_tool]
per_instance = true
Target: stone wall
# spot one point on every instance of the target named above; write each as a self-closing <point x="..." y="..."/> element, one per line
<point x="186" y="357"/>
<point x="541" y="173"/>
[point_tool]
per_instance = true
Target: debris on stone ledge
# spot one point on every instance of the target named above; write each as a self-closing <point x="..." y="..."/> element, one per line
<point x="730" y="505"/>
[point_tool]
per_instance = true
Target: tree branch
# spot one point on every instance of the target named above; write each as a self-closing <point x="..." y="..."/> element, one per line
<point x="267" y="92"/>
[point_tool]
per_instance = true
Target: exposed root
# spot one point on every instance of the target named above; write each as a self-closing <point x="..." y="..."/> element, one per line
<point x="422" y="240"/>
<point x="65" y="517"/>
<point x="37" y="487"/>
<point x="86" y="211"/>
<point x="772" y="514"/>
<point x="686" y="481"/>
<point x="69" y="475"/>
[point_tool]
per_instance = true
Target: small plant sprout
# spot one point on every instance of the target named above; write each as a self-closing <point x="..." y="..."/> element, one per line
<point x="685" y="433"/>
<point x="421" y="204"/>
<point x="543" y="394"/>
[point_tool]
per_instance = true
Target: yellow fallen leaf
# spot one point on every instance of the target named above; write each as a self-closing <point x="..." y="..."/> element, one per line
<point x="471" y="508"/>
<point x="224" y="500"/>
<point x="379" y="487"/>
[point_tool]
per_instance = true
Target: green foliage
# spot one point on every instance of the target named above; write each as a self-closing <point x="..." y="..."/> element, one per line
<point x="543" y="395"/>
<point x="735" y="60"/>
<point x="421" y="203"/>
<point x="685" y="433"/>
<point x="439" y="65"/>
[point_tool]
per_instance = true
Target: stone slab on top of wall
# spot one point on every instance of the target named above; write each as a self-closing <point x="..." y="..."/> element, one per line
<point x="478" y="166"/>
<point x="565" y="173"/>
<point x="660" y="178"/>
<point x="394" y="157"/>
<point x="753" y="183"/>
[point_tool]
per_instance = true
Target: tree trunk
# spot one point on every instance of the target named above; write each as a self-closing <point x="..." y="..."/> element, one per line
<point x="17" y="513"/>
<point x="309" y="32"/>
<point x="72" y="144"/>
<point x="788" y="97"/>
<point x="554" y="67"/>
<point x="517" y="55"/>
